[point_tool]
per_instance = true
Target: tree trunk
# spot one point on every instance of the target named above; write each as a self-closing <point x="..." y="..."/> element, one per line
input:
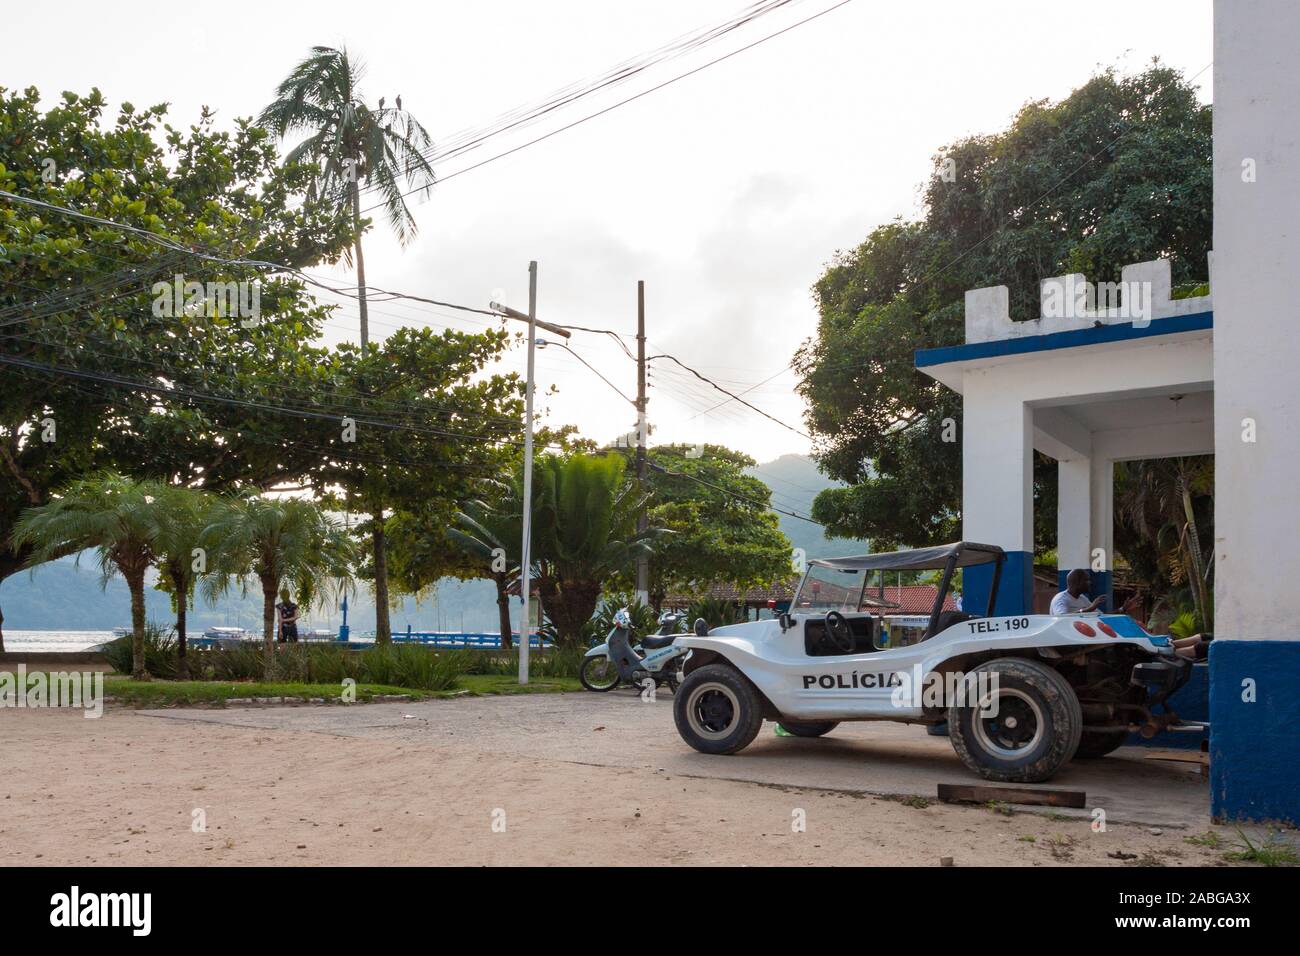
<point x="570" y="606"/>
<point x="268" y="627"/>
<point x="181" y="586"/>
<point x="1196" y="570"/>
<point x="383" y="627"/>
<point x="135" y="583"/>
<point x="361" y="266"/>
<point x="503" y="610"/>
<point x="182" y="662"/>
<point x="2" y="631"/>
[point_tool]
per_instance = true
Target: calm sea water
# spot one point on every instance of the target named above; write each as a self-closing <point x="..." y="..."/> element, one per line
<point x="54" y="640"/>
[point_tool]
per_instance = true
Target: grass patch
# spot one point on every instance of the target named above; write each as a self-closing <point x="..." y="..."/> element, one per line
<point x="162" y="693"/>
<point x="480" y="684"/>
<point x="1274" y="851"/>
<point x="1209" y="839"/>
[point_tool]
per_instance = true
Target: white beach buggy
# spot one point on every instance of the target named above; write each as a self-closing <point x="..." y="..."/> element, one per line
<point x="1021" y="695"/>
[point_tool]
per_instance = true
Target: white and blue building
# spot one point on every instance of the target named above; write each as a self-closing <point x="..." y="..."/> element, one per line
<point x="1136" y="374"/>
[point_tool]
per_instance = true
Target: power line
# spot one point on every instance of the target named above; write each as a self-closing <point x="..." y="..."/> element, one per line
<point x="734" y="494"/>
<point x="733" y="396"/>
<point x="623" y="102"/>
<point x="470" y="139"/>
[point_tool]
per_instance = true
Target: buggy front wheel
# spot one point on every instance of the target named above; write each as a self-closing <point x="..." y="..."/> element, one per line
<point x="717" y="711"/>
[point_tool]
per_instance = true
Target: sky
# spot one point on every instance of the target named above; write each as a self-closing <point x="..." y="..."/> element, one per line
<point x="726" y="192"/>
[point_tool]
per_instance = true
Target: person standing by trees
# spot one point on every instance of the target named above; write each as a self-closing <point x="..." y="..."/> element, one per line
<point x="288" y="612"/>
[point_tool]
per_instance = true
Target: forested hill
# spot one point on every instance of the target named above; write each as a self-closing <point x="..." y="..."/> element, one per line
<point x="795" y="482"/>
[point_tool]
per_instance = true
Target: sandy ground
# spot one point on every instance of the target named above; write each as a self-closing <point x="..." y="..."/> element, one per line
<point x="415" y="784"/>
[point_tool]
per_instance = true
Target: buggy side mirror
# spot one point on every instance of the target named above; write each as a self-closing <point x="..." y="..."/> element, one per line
<point x="701" y="628"/>
<point x="786" y="621"/>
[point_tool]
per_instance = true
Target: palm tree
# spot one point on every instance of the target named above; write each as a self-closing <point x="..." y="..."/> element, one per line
<point x="1157" y="498"/>
<point x="351" y="145"/>
<point x="277" y="542"/>
<point x="584" y="532"/>
<point x="116" y="515"/>
<point x="182" y="514"/>
<point x="493" y="535"/>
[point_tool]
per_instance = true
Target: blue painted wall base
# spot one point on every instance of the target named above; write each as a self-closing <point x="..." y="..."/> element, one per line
<point x="1255" y="746"/>
<point x="1015" y="588"/>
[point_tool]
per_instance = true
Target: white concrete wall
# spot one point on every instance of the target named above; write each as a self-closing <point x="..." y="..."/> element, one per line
<point x="997" y="465"/>
<point x="1074" y="513"/>
<point x="1257" y="317"/>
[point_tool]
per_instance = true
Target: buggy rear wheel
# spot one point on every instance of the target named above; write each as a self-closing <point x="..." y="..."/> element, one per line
<point x="1032" y="727"/>
<point x="809" y="728"/>
<point x="717" y="711"/>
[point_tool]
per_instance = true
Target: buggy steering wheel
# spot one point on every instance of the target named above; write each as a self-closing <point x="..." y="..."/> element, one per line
<point x="838" y="633"/>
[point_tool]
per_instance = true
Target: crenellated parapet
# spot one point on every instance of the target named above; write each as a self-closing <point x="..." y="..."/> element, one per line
<point x="1071" y="302"/>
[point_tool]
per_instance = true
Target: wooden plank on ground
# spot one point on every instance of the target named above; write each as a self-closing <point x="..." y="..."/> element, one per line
<point x="1199" y="757"/>
<point x="968" y="793"/>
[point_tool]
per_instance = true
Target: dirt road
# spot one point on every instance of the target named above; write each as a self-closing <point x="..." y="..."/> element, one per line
<point x="562" y="779"/>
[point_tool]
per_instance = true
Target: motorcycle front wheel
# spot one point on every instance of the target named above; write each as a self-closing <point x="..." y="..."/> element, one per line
<point x="599" y="674"/>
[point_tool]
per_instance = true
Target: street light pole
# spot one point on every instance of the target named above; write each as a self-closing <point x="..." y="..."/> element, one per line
<point x="642" y="439"/>
<point x="525" y="549"/>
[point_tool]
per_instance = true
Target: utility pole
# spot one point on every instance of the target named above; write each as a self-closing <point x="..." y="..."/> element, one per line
<point x="525" y="556"/>
<point x="642" y="521"/>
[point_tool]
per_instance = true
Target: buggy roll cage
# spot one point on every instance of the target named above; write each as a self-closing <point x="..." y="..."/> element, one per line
<point x="944" y="557"/>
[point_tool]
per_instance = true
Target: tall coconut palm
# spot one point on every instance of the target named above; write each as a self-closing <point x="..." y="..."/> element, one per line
<point x="182" y="515"/>
<point x="353" y="146"/>
<point x="276" y="542"/>
<point x="117" y="516"/>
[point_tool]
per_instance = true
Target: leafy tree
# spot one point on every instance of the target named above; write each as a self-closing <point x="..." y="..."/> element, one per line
<point x="584" y="533"/>
<point x="117" y="516"/>
<point x="80" y="294"/>
<point x="455" y="427"/>
<point x="723" y="529"/>
<point x="1118" y="172"/>
<point x="277" y="542"/>
<point x="351" y="144"/>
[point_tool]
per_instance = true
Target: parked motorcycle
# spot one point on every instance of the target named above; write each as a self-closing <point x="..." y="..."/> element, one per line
<point x="623" y="661"/>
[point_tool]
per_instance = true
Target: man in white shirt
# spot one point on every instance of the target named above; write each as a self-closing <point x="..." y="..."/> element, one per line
<point x="1074" y="599"/>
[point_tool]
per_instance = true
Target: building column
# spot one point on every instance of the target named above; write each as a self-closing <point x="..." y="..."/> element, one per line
<point x="1101" y="555"/>
<point x="1073" y="516"/>
<point x="1255" y="659"/>
<point x="997" y="492"/>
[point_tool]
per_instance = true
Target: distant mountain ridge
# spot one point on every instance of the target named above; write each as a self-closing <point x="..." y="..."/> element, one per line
<point x="795" y="481"/>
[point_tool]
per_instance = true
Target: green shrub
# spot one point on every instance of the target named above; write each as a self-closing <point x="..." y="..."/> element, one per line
<point x="159" y="652"/>
<point x="716" y="613"/>
<point x="552" y="662"/>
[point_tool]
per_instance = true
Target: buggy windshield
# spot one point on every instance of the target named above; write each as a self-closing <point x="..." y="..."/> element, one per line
<point x="840" y="584"/>
<point x="830" y="589"/>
